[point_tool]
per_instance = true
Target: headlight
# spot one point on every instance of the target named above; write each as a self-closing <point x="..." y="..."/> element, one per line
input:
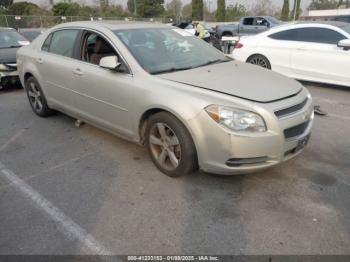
<point x="236" y="119"/>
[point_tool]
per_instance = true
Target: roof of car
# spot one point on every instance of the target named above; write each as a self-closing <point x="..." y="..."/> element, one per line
<point x="6" y="29"/>
<point x="39" y="29"/>
<point x="333" y="23"/>
<point x="300" y="24"/>
<point x="115" y="25"/>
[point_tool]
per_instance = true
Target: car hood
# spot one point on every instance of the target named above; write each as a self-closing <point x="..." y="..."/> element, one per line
<point x="8" y="55"/>
<point x="240" y="80"/>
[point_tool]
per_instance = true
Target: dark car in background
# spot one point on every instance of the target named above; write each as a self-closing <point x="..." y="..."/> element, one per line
<point x="10" y="42"/>
<point x="30" y="33"/>
<point x="342" y="18"/>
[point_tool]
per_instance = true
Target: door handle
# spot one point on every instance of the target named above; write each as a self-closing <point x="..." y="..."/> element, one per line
<point x="40" y="61"/>
<point x="78" y="72"/>
<point x="301" y="49"/>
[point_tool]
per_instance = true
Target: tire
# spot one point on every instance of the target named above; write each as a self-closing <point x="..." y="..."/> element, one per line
<point x="36" y="98"/>
<point x="168" y="140"/>
<point x="259" y="60"/>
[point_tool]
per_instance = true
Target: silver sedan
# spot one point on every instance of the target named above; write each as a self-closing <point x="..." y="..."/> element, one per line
<point x="159" y="86"/>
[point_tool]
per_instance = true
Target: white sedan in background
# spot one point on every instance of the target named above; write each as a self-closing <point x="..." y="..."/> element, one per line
<point x="318" y="52"/>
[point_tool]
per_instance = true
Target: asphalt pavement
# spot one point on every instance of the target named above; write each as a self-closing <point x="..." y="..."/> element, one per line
<point x="69" y="190"/>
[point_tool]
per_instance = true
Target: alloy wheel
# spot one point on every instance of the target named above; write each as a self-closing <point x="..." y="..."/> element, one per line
<point x="35" y="97"/>
<point x="259" y="61"/>
<point x="165" y="146"/>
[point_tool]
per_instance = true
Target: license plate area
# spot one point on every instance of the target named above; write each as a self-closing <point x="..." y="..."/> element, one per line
<point x="302" y="143"/>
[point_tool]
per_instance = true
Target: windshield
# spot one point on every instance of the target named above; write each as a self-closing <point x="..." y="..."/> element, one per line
<point x="167" y="50"/>
<point x="9" y="39"/>
<point x="274" y="20"/>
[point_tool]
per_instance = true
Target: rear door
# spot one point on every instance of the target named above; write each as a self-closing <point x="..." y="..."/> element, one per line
<point x="278" y="47"/>
<point x="317" y="55"/>
<point x="56" y="66"/>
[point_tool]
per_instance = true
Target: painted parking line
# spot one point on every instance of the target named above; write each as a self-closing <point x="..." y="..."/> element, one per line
<point x="12" y="139"/>
<point x="69" y="227"/>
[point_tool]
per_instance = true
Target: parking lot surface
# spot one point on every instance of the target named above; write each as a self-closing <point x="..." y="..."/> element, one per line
<point x="69" y="190"/>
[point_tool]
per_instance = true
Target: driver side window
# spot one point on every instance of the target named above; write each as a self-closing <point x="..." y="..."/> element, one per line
<point x="95" y="47"/>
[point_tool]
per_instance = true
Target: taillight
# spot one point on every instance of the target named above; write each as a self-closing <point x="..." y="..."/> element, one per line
<point x="238" y="45"/>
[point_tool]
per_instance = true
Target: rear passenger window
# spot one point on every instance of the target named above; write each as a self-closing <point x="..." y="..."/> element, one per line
<point x="312" y="35"/>
<point x="248" y="21"/>
<point x="288" y="35"/>
<point x="320" y="35"/>
<point x="62" y="42"/>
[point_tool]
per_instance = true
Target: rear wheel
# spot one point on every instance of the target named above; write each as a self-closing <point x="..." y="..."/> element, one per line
<point x="36" y="98"/>
<point x="259" y="60"/>
<point x="170" y="145"/>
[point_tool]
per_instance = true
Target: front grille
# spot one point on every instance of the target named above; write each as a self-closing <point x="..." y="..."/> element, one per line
<point x="233" y="162"/>
<point x="290" y="110"/>
<point x="295" y="130"/>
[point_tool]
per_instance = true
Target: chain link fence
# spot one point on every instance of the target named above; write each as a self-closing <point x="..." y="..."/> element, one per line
<point x="49" y="21"/>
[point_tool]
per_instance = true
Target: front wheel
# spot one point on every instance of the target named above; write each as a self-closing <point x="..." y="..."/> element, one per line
<point x="259" y="60"/>
<point x="170" y="145"/>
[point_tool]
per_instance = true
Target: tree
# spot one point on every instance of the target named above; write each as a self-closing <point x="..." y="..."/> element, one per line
<point x="197" y="10"/>
<point x="263" y="7"/>
<point x="207" y="15"/>
<point x="66" y="9"/>
<point x="173" y="9"/>
<point x="104" y="5"/>
<point x="220" y="11"/>
<point x="343" y="3"/>
<point x="149" y="8"/>
<point x="285" y="11"/>
<point x="5" y="3"/>
<point x="24" y="8"/>
<point x="131" y="6"/>
<point x="323" y="4"/>
<point x="187" y="11"/>
<point x="89" y="11"/>
<point x="235" y="12"/>
<point x="114" y="11"/>
<point x="296" y="10"/>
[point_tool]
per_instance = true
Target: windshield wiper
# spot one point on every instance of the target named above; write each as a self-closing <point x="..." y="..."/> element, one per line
<point x="169" y="70"/>
<point x="216" y="61"/>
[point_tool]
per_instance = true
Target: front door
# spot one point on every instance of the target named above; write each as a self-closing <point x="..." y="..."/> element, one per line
<point x="102" y="95"/>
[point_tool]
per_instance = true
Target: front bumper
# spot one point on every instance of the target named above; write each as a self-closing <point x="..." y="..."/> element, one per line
<point x="222" y="151"/>
<point x="8" y="78"/>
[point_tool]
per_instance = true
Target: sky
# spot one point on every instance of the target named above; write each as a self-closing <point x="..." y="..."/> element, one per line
<point x="247" y="3"/>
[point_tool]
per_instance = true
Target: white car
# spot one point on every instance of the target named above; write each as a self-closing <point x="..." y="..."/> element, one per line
<point x="317" y="52"/>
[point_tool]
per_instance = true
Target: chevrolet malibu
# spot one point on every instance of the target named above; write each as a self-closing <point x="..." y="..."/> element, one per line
<point x="157" y="85"/>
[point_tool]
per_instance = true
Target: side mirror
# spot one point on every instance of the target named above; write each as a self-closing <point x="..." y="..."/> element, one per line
<point x="345" y="43"/>
<point x="109" y="62"/>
